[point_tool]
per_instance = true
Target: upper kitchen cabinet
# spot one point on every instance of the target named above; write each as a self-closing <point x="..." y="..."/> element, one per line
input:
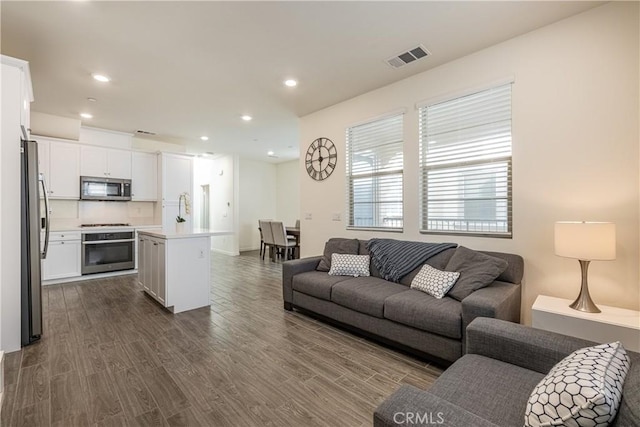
<point x="144" y="176"/>
<point x="59" y="162"/>
<point x="64" y="171"/>
<point x="177" y="176"/>
<point x="105" y="162"/>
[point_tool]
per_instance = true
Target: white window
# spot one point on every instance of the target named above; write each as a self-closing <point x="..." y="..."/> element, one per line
<point x="465" y="164"/>
<point x="374" y="174"/>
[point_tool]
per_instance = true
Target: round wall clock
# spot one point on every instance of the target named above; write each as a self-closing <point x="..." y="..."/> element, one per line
<point x="321" y="159"/>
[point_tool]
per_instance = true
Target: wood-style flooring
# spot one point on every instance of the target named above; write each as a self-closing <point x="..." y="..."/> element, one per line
<point x="111" y="356"/>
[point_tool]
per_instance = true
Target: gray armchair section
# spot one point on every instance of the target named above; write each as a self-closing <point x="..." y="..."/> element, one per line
<point x="394" y="313"/>
<point x="290" y="269"/>
<point x="493" y="381"/>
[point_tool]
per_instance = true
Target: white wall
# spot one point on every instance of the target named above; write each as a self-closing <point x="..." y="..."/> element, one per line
<point x="575" y="148"/>
<point x="257" y="197"/>
<point x="288" y="192"/>
<point x="224" y="202"/>
<point x="55" y="126"/>
<point x="143" y="144"/>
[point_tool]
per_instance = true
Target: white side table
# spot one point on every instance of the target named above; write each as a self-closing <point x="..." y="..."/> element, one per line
<point x="612" y="324"/>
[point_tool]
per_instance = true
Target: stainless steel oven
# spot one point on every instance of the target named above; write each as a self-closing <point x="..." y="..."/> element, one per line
<point x="103" y="251"/>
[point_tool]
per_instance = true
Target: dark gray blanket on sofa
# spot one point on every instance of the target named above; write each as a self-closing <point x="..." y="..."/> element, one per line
<point x="397" y="258"/>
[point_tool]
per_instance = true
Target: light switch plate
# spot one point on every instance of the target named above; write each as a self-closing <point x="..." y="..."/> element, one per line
<point x="336" y="216"/>
<point x="308" y="215"/>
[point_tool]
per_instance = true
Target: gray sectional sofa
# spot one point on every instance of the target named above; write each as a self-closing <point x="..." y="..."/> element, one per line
<point x="491" y="384"/>
<point x="394" y="313"/>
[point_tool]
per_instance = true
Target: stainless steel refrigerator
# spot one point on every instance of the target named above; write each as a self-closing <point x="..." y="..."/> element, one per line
<point x="32" y="225"/>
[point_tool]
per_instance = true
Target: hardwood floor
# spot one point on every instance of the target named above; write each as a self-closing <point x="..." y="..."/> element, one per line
<point x="110" y="356"/>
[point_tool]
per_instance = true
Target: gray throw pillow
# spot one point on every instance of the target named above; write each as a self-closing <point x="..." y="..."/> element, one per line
<point x="476" y="269"/>
<point x="337" y="245"/>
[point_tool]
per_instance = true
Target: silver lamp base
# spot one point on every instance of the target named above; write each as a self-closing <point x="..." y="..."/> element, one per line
<point x="584" y="301"/>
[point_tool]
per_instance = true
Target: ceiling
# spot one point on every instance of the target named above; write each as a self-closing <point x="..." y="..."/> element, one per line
<point x="187" y="69"/>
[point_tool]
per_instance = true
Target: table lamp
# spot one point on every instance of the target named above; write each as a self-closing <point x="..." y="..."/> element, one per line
<point x="585" y="241"/>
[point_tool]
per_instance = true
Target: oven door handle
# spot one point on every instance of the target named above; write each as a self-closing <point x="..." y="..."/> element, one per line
<point x="100" y="242"/>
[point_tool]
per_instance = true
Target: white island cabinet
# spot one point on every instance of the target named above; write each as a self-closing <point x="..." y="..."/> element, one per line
<point x="175" y="268"/>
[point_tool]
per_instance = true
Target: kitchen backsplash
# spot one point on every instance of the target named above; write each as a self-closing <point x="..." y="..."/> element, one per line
<point x="72" y="213"/>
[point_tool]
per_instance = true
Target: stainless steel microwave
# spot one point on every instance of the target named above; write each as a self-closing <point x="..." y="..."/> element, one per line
<point x="96" y="188"/>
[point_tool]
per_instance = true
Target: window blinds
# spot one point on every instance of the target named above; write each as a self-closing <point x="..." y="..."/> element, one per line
<point x="465" y="164"/>
<point x="374" y="174"/>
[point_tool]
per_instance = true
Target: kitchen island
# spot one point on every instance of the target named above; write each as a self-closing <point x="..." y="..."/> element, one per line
<point x="175" y="268"/>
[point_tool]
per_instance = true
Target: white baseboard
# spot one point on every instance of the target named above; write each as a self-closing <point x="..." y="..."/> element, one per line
<point x="251" y="248"/>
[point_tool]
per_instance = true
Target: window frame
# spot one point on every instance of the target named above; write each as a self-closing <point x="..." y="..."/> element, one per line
<point x="424" y="169"/>
<point x="375" y="175"/>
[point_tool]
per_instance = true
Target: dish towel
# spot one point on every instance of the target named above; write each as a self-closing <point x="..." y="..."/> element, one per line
<point x="396" y="258"/>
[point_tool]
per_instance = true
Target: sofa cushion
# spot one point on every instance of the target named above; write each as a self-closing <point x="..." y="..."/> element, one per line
<point x="362" y="250"/>
<point x="365" y="294"/>
<point x="316" y="283"/>
<point x="349" y="265"/>
<point x="584" y="388"/>
<point x="438" y="261"/>
<point x="433" y="281"/>
<point x="422" y="311"/>
<point x="476" y="269"/>
<point x="337" y="245"/>
<point x="494" y="390"/>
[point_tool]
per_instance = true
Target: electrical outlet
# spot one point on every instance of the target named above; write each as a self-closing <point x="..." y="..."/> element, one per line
<point x="308" y="215"/>
<point x="336" y="216"/>
<point x="201" y="254"/>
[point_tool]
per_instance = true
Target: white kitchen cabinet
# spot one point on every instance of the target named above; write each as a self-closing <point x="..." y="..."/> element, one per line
<point x="177" y="177"/>
<point x="16" y="99"/>
<point x="63" y="256"/>
<point x="144" y="176"/>
<point x="64" y="170"/>
<point x="151" y="267"/>
<point x="175" y="268"/>
<point x="105" y="162"/>
<point x="59" y="162"/>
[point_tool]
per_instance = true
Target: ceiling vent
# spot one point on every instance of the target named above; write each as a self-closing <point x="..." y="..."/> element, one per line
<point x="144" y="132"/>
<point x="408" y="57"/>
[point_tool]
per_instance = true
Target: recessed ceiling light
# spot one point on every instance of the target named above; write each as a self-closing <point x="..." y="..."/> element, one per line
<point x="91" y="99"/>
<point x="101" y="78"/>
<point x="86" y="115"/>
<point x="290" y="83"/>
<point x="204" y="138"/>
<point x="270" y="153"/>
<point x="246" y="118"/>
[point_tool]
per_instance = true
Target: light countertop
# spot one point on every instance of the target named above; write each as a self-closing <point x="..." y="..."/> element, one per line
<point x="172" y="234"/>
<point x="104" y="229"/>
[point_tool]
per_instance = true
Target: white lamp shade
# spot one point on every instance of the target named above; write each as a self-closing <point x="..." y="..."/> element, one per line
<point x="586" y="240"/>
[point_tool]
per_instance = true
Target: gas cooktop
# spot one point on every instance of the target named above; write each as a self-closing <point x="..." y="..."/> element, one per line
<point x="105" y="225"/>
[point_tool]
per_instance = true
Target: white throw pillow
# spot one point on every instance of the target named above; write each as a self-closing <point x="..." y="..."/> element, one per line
<point x="433" y="281"/>
<point x="349" y="265"/>
<point x="584" y="389"/>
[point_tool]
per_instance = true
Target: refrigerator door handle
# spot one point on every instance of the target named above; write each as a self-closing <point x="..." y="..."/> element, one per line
<point x="47" y="221"/>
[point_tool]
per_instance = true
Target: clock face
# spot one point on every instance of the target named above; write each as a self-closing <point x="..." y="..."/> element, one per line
<point x="321" y="159"/>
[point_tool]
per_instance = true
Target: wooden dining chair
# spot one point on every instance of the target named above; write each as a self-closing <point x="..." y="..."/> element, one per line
<point x="297" y="223"/>
<point x="267" y="234"/>
<point x="262" y="245"/>
<point x="281" y="240"/>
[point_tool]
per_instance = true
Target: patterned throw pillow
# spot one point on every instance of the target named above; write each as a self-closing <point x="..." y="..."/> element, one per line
<point x="584" y="389"/>
<point x="433" y="281"/>
<point x="349" y="265"/>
